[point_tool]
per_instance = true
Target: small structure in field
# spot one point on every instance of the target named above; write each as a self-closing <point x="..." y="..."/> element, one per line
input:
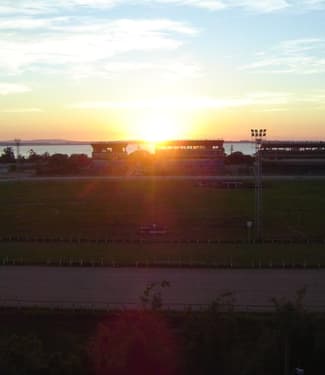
<point x="152" y="229"/>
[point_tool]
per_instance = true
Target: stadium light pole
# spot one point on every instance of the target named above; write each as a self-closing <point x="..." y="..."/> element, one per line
<point x="257" y="136"/>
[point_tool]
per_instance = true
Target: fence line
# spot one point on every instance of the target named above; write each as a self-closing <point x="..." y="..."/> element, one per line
<point x="114" y="306"/>
<point x="230" y="264"/>
<point x="107" y="241"/>
<point x="111" y="306"/>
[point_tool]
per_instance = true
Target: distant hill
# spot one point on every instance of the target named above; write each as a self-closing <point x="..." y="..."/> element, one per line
<point x="44" y="142"/>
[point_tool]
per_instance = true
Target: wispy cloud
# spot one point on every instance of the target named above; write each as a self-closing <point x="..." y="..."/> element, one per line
<point x="19" y="23"/>
<point x="316" y="97"/>
<point x="116" y="69"/>
<point x="31" y="7"/>
<point x="21" y="110"/>
<point x="276" y="109"/>
<point x="212" y="5"/>
<point x="87" y="42"/>
<point x="263" y="6"/>
<point x="256" y="101"/>
<point x="190" y="103"/>
<point x="299" y="56"/>
<point x="310" y="100"/>
<point x="315" y="4"/>
<point x="13" y="88"/>
<point x="7" y="7"/>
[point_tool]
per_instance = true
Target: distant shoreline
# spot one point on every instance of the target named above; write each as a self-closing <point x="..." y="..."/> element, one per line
<point x="86" y="143"/>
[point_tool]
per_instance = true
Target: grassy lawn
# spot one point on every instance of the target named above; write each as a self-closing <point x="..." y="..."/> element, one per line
<point x="116" y="209"/>
<point x="168" y="254"/>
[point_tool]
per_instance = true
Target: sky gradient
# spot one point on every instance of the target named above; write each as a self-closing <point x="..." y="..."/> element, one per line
<point x="155" y="69"/>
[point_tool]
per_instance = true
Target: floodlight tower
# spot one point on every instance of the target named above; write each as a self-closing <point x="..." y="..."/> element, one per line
<point x="257" y="136"/>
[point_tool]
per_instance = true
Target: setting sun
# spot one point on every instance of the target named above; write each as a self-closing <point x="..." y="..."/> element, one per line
<point x="156" y="127"/>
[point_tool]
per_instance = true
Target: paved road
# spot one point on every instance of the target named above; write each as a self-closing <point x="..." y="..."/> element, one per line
<point x="99" y="287"/>
<point x="6" y="178"/>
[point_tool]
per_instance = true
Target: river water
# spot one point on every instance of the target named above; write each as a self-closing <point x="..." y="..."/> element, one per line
<point x="245" y="147"/>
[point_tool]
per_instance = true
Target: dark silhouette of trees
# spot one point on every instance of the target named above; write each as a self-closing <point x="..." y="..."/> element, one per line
<point x="21" y="355"/>
<point x="141" y="156"/>
<point x="216" y="340"/>
<point x="78" y="162"/>
<point x="238" y="158"/>
<point x="60" y="164"/>
<point x="136" y="342"/>
<point x="152" y="295"/>
<point x="294" y="332"/>
<point x="27" y="355"/>
<point x="211" y="339"/>
<point x="33" y="157"/>
<point x="140" y="162"/>
<point x="7" y="155"/>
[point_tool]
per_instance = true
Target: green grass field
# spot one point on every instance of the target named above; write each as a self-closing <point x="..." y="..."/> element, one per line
<point x="116" y="209"/>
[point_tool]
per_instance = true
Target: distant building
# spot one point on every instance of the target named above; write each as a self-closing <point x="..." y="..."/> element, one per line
<point x="177" y="157"/>
<point x="190" y="157"/>
<point x="110" y="157"/>
<point x="109" y="150"/>
<point x="298" y="157"/>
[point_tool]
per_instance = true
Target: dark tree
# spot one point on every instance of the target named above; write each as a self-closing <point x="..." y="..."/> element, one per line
<point x="33" y="156"/>
<point x="78" y="162"/>
<point x="7" y="155"/>
<point x="239" y="158"/>
<point x="295" y="334"/>
<point x="136" y="342"/>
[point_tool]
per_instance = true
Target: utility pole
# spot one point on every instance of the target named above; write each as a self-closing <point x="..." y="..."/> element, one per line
<point x="257" y="136"/>
<point x="17" y="143"/>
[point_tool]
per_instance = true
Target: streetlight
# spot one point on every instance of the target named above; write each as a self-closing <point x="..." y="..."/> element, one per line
<point x="249" y="225"/>
<point x="17" y="143"/>
<point x="257" y="136"/>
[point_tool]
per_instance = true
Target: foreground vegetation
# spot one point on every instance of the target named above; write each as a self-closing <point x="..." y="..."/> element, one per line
<point x="148" y="341"/>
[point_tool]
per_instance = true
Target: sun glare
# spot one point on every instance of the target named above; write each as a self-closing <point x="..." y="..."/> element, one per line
<point x="159" y="127"/>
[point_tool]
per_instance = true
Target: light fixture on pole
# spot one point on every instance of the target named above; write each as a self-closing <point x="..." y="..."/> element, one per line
<point x="257" y="136"/>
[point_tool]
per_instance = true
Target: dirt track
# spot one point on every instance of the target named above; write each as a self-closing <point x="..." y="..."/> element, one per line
<point x="99" y="287"/>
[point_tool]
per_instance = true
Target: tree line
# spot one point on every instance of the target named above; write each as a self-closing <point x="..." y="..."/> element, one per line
<point x="46" y="163"/>
<point x="217" y="340"/>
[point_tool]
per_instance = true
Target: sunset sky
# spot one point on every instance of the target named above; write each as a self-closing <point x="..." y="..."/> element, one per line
<point x="155" y="69"/>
